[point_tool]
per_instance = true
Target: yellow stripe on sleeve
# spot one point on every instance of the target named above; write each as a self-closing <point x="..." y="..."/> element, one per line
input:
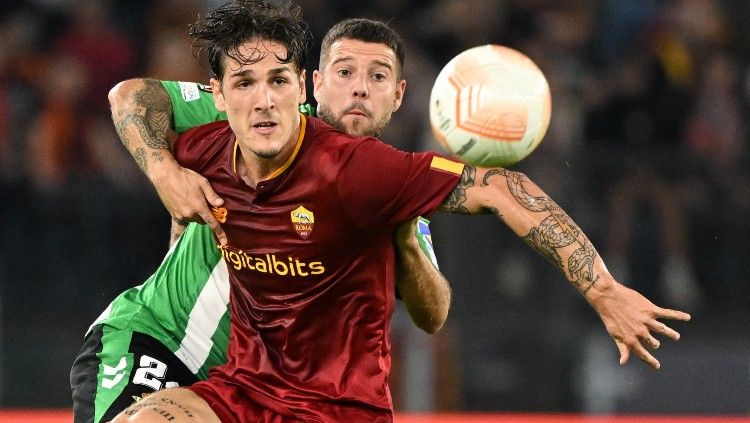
<point x="446" y="165"/>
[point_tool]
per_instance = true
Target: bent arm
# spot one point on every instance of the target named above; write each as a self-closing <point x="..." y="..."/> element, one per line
<point x="142" y="114"/>
<point x="424" y="290"/>
<point x="628" y="316"/>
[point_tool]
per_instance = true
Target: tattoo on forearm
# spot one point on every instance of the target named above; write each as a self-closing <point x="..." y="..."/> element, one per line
<point x="535" y="240"/>
<point x="581" y="267"/>
<point x="454" y="203"/>
<point x="556" y="231"/>
<point x="157" y="155"/>
<point x="515" y="182"/>
<point x="140" y="158"/>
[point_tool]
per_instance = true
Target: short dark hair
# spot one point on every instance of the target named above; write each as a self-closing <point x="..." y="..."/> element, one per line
<point x="367" y="30"/>
<point x="222" y="31"/>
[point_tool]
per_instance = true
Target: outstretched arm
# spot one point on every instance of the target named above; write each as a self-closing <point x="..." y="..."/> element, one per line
<point x="628" y="316"/>
<point x="142" y="114"/>
<point x="424" y="290"/>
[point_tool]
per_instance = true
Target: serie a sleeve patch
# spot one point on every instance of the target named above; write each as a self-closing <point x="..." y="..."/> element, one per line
<point x="446" y="165"/>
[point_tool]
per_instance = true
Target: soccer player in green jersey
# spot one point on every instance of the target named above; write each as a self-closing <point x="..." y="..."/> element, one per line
<point x="172" y="329"/>
<point x="628" y="316"/>
<point x="283" y="365"/>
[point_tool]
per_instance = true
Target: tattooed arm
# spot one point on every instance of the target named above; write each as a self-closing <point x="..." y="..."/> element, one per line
<point x="628" y="316"/>
<point x="142" y="114"/>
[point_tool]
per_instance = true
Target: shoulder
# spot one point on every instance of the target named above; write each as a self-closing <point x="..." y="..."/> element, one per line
<point x="214" y="129"/>
<point x="215" y="133"/>
<point x="324" y="135"/>
<point x="205" y="139"/>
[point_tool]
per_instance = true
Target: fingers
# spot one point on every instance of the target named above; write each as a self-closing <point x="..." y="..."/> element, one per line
<point x="639" y="348"/>
<point x="211" y="196"/>
<point x="624" y="352"/>
<point x="666" y="313"/>
<point x="211" y="221"/>
<point x="640" y="351"/>
<point x="220" y="235"/>
<point x="647" y="358"/>
<point x="665" y="330"/>
<point x="214" y="200"/>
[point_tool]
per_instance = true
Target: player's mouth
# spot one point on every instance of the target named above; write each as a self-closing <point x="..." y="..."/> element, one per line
<point x="357" y="112"/>
<point x="265" y="127"/>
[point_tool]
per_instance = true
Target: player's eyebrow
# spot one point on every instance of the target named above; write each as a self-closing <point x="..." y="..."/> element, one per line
<point x="377" y="62"/>
<point x="279" y="70"/>
<point x="249" y="72"/>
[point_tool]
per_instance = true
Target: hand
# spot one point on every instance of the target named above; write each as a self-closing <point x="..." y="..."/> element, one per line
<point x="187" y="196"/>
<point x="630" y="318"/>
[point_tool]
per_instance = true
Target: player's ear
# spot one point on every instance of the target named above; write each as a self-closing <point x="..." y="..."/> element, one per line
<point x="218" y="95"/>
<point x="302" y="97"/>
<point x="399" y="94"/>
<point x="317" y="81"/>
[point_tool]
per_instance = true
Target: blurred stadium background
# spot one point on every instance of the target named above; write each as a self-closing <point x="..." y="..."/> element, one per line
<point x="647" y="150"/>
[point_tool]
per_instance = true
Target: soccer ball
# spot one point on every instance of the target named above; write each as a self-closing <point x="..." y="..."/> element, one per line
<point x="490" y="106"/>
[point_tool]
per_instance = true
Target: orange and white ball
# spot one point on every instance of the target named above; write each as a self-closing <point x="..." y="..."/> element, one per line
<point x="490" y="106"/>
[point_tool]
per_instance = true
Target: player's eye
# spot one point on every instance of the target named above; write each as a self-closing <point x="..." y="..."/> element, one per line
<point x="279" y="81"/>
<point x="243" y="83"/>
<point x="379" y="76"/>
<point x="344" y="72"/>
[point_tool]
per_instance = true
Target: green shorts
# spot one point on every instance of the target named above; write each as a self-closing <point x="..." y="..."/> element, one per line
<point x="117" y="367"/>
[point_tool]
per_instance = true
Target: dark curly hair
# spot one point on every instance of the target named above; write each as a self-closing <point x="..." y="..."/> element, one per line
<point x="222" y="31"/>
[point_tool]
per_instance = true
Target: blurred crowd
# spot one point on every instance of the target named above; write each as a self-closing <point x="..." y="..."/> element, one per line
<point x="647" y="150"/>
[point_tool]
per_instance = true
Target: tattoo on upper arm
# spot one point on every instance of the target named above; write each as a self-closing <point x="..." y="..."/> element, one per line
<point x="150" y="115"/>
<point x="454" y="203"/>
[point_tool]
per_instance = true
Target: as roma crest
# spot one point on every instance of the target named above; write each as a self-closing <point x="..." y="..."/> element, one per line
<point x="303" y="221"/>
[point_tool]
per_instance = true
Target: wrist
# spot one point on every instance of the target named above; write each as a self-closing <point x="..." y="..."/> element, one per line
<point x="600" y="288"/>
<point x="162" y="168"/>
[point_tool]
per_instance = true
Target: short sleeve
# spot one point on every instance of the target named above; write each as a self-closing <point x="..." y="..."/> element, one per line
<point x="199" y="146"/>
<point x="381" y="186"/>
<point x="192" y="105"/>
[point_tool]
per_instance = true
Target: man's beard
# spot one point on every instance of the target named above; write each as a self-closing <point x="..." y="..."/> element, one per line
<point x="374" y="130"/>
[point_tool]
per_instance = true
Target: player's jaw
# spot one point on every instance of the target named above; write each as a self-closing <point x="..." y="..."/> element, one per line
<point x="266" y="138"/>
<point x="356" y="119"/>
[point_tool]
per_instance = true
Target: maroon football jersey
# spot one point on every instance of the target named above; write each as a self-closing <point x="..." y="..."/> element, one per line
<point x="311" y="261"/>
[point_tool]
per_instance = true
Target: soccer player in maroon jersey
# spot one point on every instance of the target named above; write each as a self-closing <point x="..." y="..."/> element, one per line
<point x="309" y="219"/>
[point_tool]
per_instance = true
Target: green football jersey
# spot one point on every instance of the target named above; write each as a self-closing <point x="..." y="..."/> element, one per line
<point x="184" y="304"/>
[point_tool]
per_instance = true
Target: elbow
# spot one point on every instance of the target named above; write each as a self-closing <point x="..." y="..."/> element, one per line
<point x="431" y="327"/>
<point x="432" y="319"/>
<point x="122" y="93"/>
